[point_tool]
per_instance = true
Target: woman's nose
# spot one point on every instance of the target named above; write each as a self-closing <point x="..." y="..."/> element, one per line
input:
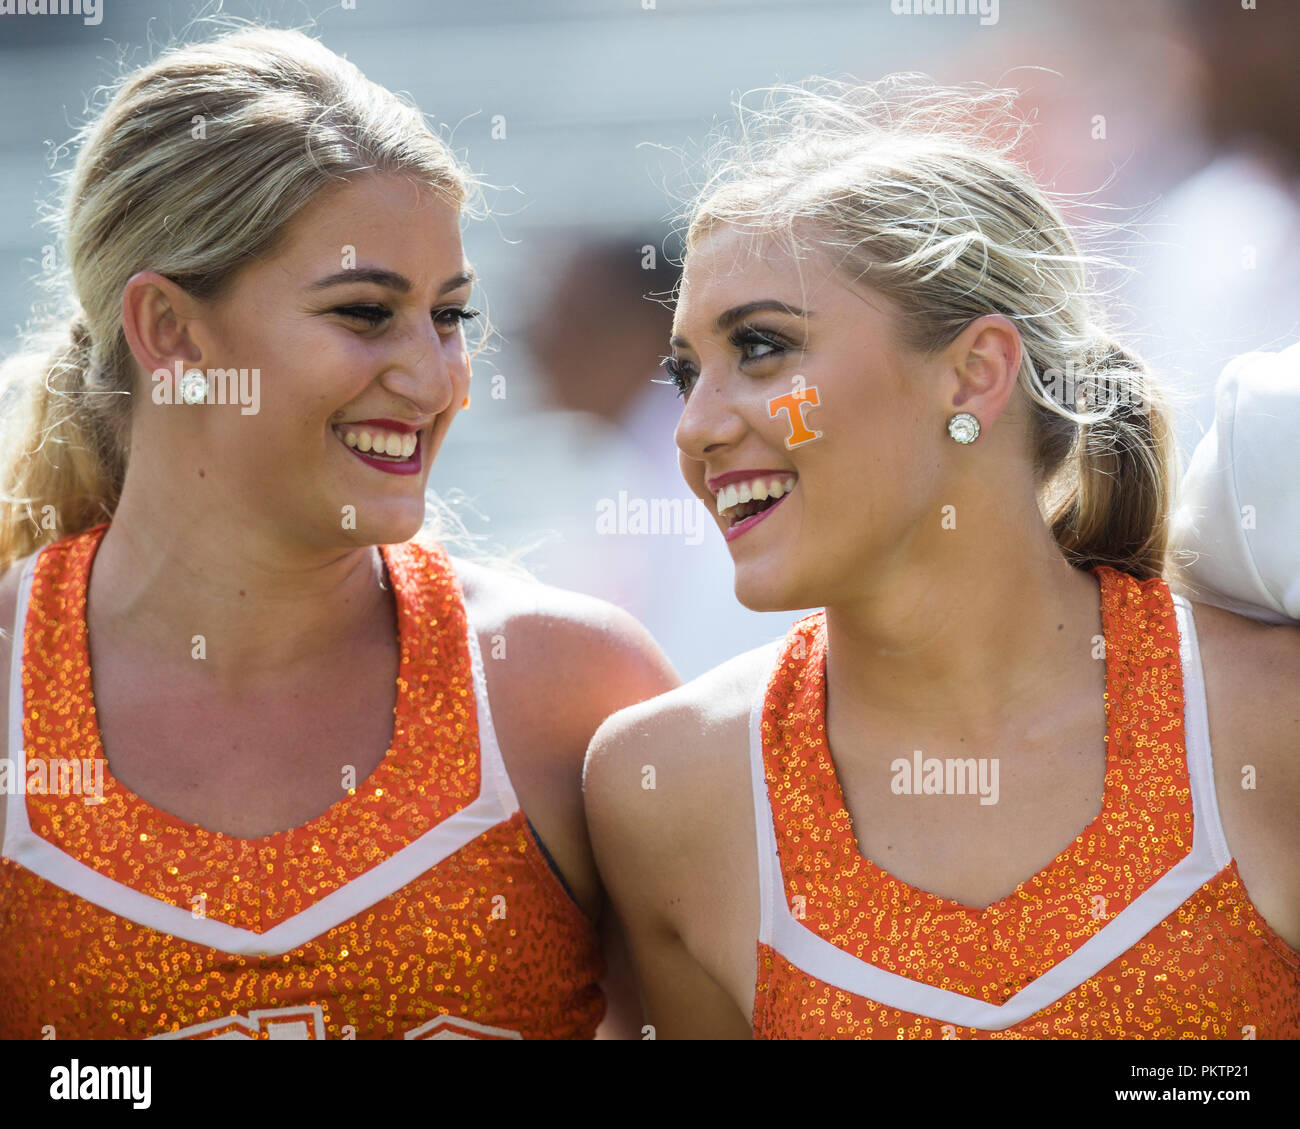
<point x="426" y="373"/>
<point x="710" y="419"/>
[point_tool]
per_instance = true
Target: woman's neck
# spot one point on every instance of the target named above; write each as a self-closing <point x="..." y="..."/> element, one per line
<point x="261" y="605"/>
<point x="970" y="638"/>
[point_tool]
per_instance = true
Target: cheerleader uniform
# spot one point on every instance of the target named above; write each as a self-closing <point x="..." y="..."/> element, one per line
<point x="420" y="906"/>
<point x="1140" y="928"/>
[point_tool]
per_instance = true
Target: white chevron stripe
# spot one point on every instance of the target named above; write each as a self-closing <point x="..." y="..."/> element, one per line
<point x="817" y="957"/>
<point x="495" y="803"/>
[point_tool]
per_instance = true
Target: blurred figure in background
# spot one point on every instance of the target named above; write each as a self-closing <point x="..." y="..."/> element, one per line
<point x="1227" y="282"/>
<point x="611" y="510"/>
<point x="1222" y="277"/>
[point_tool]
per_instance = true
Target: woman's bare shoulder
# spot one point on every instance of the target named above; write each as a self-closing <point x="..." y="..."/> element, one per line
<point x="1252" y="692"/>
<point x="1253" y="669"/>
<point x="718" y="701"/>
<point x="566" y="652"/>
<point x="1252" y="689"/>
<point x="502" y="597"/>
<point x="689" y="747"/>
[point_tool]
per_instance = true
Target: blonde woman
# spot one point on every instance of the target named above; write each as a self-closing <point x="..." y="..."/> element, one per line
<point x="973" y="797"/>
<point x="287" y="770"/>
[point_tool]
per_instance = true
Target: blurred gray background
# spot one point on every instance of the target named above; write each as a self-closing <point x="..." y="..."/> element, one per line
<point x="1191" y="147"/>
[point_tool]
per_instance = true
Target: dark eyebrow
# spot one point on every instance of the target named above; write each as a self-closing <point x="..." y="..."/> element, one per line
<point x="390" y="279"/>
<point x="728" y="318"/>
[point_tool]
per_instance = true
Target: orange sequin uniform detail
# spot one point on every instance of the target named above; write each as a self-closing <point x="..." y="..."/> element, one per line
<point x="418" y="906"/>
<point x="1068" y="954"/>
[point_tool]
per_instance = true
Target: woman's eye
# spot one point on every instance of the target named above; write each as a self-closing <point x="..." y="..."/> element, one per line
<point x="371" y="315"/>
<point x="374" y="315"/>
<point x="454" y="316"/>
<point x="756" y="346"/>
<point x="680" y="377"/>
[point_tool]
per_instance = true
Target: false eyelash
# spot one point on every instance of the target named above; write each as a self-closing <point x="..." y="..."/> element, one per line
<point x="677" y="375"/>
<point x="747" y="335"/>
<point x="374" y="314"/>
<point x="463" y="313"/>
<point x="743" y="335"/>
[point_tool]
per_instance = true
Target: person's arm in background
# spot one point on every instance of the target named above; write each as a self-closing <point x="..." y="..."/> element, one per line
<point x="1237" y="526"/>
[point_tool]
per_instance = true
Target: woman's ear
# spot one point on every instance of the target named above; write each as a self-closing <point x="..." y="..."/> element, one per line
<point x="985" y="367"/>
<point x="157" y="319"/>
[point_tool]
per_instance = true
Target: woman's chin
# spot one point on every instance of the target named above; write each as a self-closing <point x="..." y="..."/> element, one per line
<point x="768" y="595"/>
<point x="391" y="523"/>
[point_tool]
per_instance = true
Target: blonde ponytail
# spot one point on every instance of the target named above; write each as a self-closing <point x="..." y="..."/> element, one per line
<point x="64" y="452"/>
<point x="1109" y="499"/>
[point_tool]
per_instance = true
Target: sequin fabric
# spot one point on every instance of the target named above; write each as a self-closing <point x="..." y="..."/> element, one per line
<point x="1211" y="969"/>
<point x="485" y="943"/>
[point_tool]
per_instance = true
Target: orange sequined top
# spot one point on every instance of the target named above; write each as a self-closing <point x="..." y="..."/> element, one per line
<point x="1140" y="928"/>
<point x="419" y="906"/>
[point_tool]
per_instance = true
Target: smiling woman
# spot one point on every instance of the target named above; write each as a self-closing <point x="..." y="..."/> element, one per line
<point x="902" y="401"/>
<point x="329" y="807"/>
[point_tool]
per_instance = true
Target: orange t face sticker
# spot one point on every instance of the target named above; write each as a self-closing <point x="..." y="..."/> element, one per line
<point x="793" y="403"/>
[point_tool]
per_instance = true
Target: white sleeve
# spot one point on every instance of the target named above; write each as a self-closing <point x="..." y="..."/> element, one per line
<point x="1239" y="513"/>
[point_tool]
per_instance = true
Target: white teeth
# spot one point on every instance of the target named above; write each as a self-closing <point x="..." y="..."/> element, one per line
<point x="756" y="490"/>
<point x="388" y="443"/>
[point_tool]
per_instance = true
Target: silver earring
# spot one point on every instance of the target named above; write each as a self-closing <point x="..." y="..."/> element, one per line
<point x="964" y="427"/>
<point x="194" y="387"/>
